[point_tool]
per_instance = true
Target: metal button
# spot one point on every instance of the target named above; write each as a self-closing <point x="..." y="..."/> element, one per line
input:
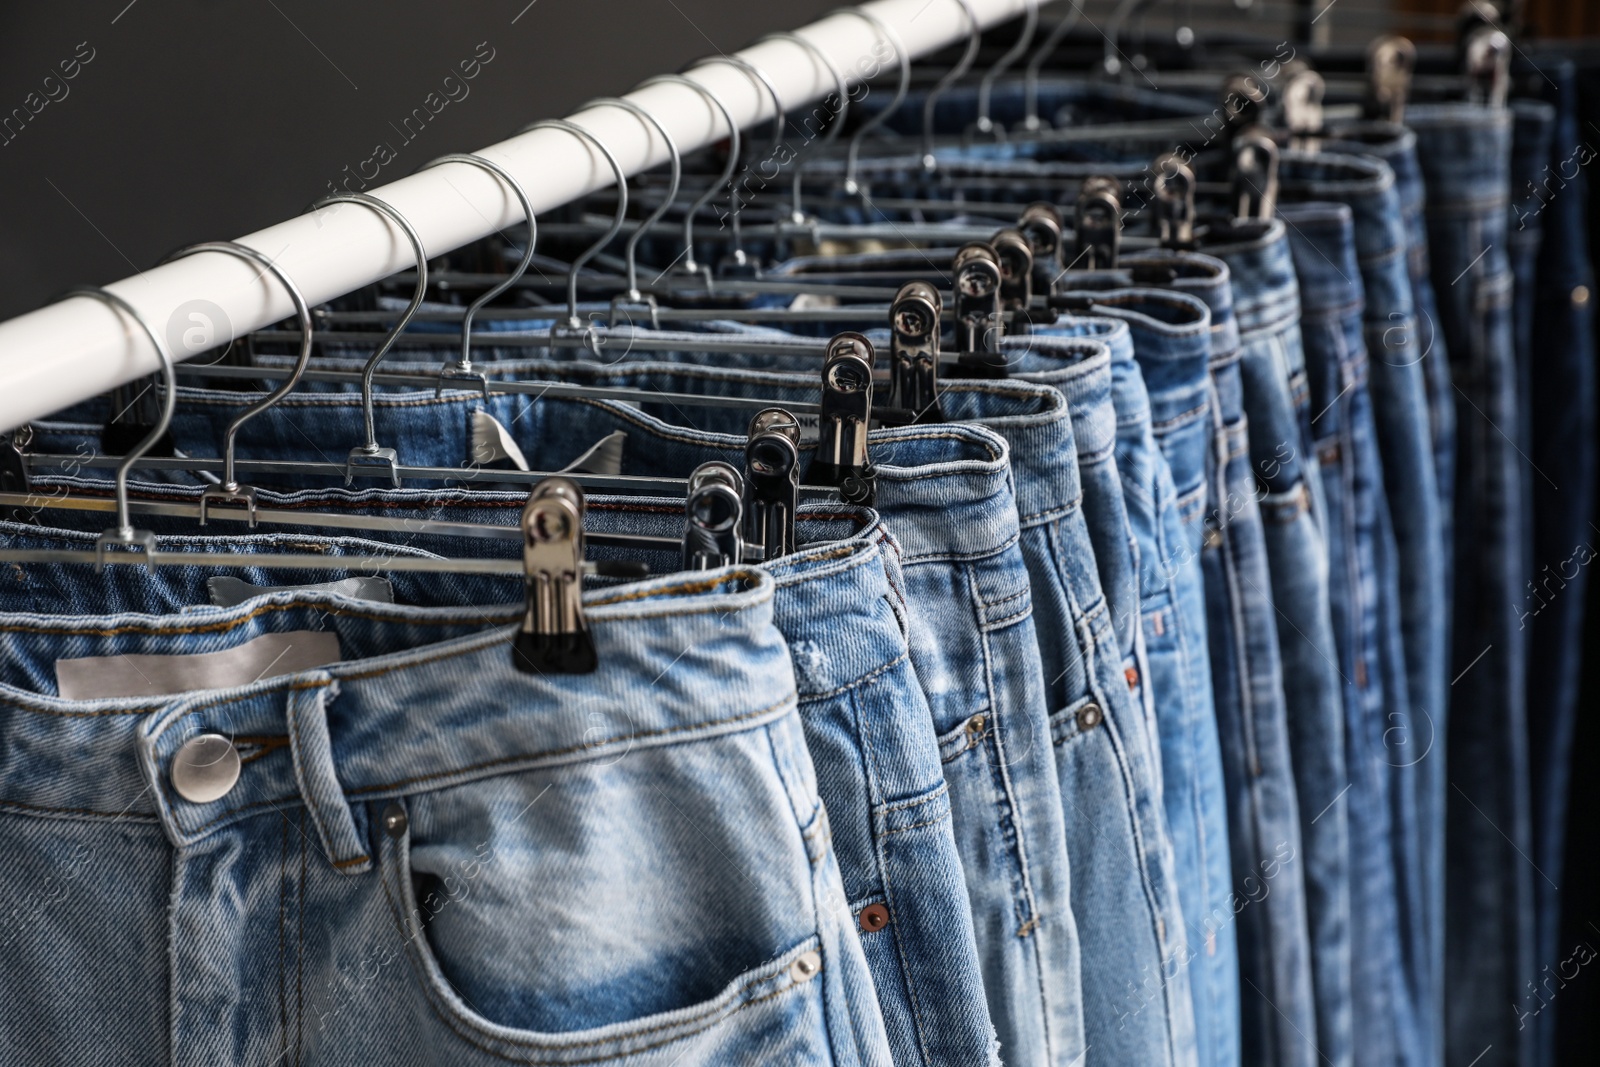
<point x="807" y="967"/>
<point x="874" y="917"/>
<point x="1089" y="716"/>
<point x="394" y="820"/>
<point x="976" y="724"/>
<point x="1580" y="295"/>
<point x="205" y="768"/>
<point x="1131" y="674"/>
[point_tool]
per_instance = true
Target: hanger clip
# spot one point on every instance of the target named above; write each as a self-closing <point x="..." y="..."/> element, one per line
<point x="1043" y="227"/>
<point x="554" y="637"/>
<point x="1099" y="223"/>
<point x="842" y="460"/>
<point x="14" y="476"/>
<point x="1488" y="66"/>
<point x="772" y="482"/>
<point x="1390" y="62"/>
<point x="979" y="324"/>
<point x="713" y="518"/>
<point x="1243" y="97"/>
<point x="1174" y="188"/>
<point x="1015" y="254"/>
<point x="1302" y="109"/>
<point x="1255" y="175"/>
<point x="914" y="323"/>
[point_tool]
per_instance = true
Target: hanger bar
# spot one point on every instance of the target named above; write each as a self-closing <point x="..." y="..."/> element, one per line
<point x="563" y="389"/>
<point x="328" y="520"/>
<point x="756" y="316"/>
<point x="67" y="352"/>
<point x="466" y="475"/>
<point x="275" y="561"/>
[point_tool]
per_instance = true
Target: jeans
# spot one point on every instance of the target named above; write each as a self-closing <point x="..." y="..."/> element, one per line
<point x="1465" y="152"/>
<point x="1322" y="240"/>
<point x="1293" y="512"/>
<point x="1179" y="668"/>
<point x="947" y="494"/>
<point x="384" y="858"/>
<point x="1412" y="588"/>
<point x="1561" y="391"/>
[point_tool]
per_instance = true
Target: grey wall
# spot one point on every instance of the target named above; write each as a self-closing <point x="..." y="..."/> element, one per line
<point x="202" y="119"/>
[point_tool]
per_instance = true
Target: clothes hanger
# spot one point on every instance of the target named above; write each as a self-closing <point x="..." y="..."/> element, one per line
<point x="974" y="41"/>
<point x="984" y="124"/>
<point x="836" y="120"/>
<point x="1031" y="121"/>
<point x="886" y="33"/>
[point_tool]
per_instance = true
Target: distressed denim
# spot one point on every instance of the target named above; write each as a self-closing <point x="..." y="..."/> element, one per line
<point x="1322" y="240"/>
<point x="1172" y="600"/>
<point x="1412" y="585"/>
<point x="1289" y="487"/>
<point x="947" y="494"/>
<point x="378" y="846"/>
<point x="1489" y="912"/>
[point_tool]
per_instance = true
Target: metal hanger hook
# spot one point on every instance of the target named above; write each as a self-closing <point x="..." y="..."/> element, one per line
<point x="886" y="33"/>
<point x="841" y="87"/>
<point x="616" y="223"/>
<point x="230" y="491"/>
<point x="369" y="449"/>
<point x="1119" y="19"/>
<point x="986" y="87"/>
<point x="755" y="74"/>
<point x="123" y="533"/>
<point x="463" y="368"/>
<point x="974" y="42"/>
<point x="1036" y="64"/>
<point x="672" y="189"/>
<point x="689" y="265"/>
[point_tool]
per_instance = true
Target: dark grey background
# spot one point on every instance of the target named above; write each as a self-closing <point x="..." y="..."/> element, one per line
<point x="204" y="119"/>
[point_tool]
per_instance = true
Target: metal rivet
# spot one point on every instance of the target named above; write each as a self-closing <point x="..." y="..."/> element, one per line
<point x="874" y="917"/>
<point x="1213" y="538"/>
<point x="807" y="967"/>
<point x="1089" y="716"/>
<point x="976" y="724"/>
<point x="394" y="820"/>
<point x="1132" y="675"/>
<point x="205" y="768"/>
<point x="1580" y="295"/>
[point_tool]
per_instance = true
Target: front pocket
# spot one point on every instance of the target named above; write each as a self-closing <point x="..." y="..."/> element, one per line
<point x="774" y="1009"/>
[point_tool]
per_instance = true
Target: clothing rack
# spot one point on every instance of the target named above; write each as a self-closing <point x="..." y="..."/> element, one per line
<point x="71" y="351"/>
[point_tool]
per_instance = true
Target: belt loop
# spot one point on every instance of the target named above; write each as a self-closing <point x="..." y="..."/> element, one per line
<point x="344" y="844"/>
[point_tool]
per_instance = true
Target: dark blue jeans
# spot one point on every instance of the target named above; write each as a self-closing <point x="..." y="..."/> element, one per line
<point x="1411" y="587"/>
<point x="1293" y="512"/>
<point x="1322" y="241"/>
<point x="1465" y="153"/>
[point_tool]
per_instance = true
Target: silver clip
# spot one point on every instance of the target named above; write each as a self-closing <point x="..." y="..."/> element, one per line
<point x="1255" y="175"/>
<point x="1489" y="67"/>
<point x="713" y="518"/>
<point x="1390" y="61"/>
<point x="914" y="324"/>
<point x="1302" y="109"/>
<point x="979" y="325"/>
<point x="554" y="637"/>
<point x="1243" y="97"/>
<point x="1042" y="226"/>
<point x="772" y="482"/>
<point x="1011" y="248"/>
<point x="1174" y="188"/>
<point x="846" y="416"/>
<point x="1099" y="223"/>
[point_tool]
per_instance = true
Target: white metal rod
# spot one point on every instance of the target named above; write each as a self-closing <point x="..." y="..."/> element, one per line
<point x="79" y="348"/>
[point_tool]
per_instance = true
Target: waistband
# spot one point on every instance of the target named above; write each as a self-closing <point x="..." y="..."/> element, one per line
<point x="1465" y="154"/>
<point x="1266" y="292"/>
<point x="1330" y="280"/>
<point x="422" y="699"/>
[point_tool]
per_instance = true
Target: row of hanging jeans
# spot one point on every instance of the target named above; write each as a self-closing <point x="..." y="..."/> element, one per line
<point x="1172" y="662"/>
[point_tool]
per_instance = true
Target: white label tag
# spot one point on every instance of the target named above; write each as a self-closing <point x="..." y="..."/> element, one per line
<point x="267" y="656"/>
<point x="231" y="592"/>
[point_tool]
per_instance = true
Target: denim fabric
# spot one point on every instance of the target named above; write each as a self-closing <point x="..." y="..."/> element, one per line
<point x="1322" y="240"/>
<point x="378" y="844"/>
<point x="947" y="494"/>
<point x="1562" y="392"/>
<point x="1293" y="510"/>
<point x="1172" y="600"/>
<point x="871" y="739"/>
<point x="1465" y="155"/>
<point x="1412" y="587"/>
<point x="1397" y="146"/>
